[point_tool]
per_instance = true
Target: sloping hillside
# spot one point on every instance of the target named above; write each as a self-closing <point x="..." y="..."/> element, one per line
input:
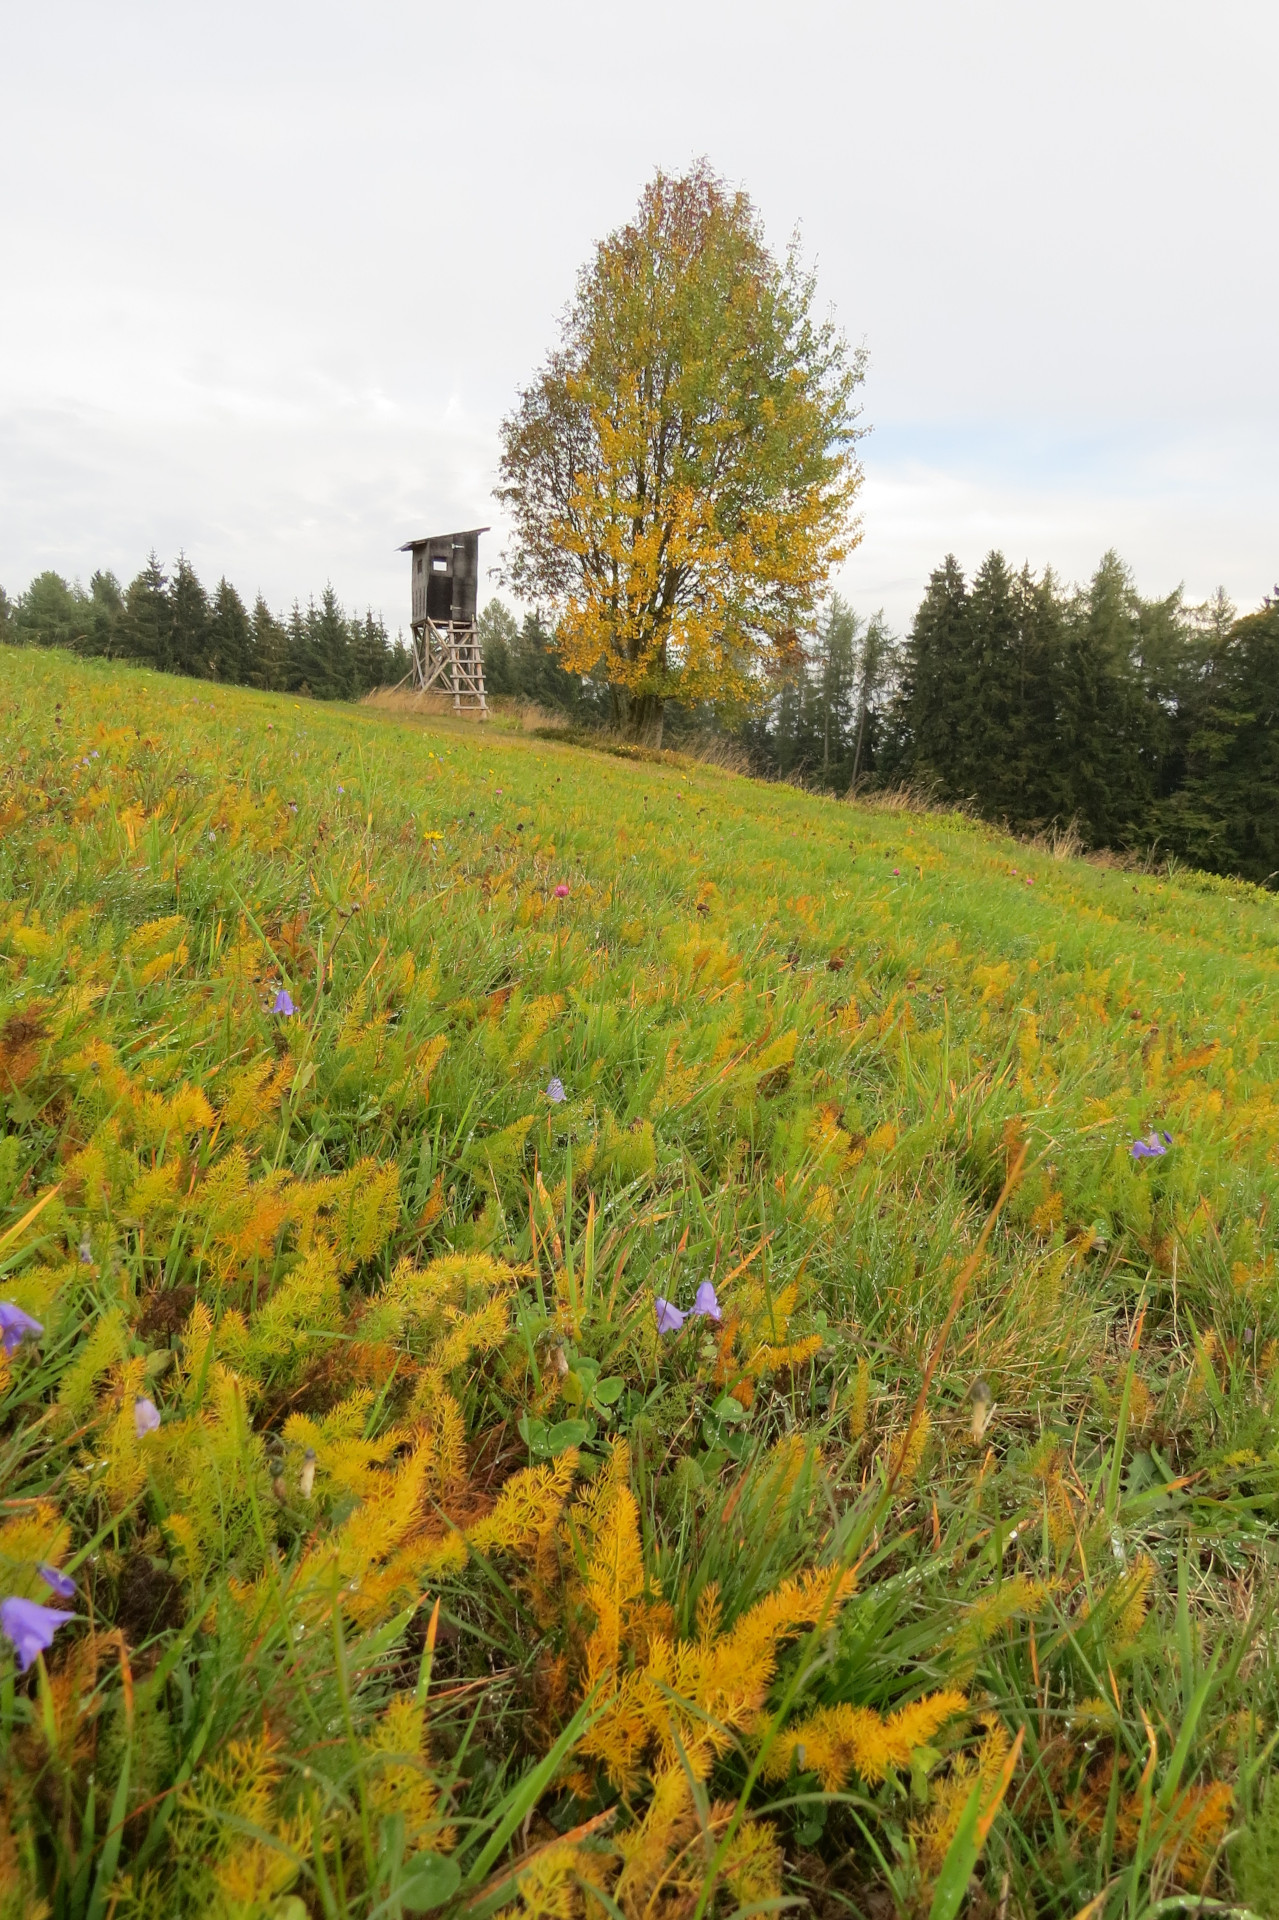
<point x="591" y="1324"/>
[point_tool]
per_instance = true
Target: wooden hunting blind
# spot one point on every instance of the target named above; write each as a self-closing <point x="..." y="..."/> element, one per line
<point x="446" y="641"/>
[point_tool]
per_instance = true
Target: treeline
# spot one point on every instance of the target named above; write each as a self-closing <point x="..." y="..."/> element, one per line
<point x="520" y="663"/>
<point x="1145" y="723"/>
<point x="822" y="723"/>
<point x="1148" y="723"/>
<point x="174" y="623"/>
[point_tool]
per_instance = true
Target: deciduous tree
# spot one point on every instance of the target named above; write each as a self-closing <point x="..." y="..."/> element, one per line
<point x="47" y="614"/>
<point x="681" y="474"/>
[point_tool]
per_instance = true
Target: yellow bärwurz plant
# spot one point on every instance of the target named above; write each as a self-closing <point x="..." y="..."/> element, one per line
<point x="655" y="1697"/>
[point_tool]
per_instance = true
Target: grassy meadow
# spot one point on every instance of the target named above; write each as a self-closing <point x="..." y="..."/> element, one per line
<point x="416" y="1568"/>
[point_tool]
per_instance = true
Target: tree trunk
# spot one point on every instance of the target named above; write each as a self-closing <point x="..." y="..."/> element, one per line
<point x="644" y="716"/>
<point x="857" y="756"/>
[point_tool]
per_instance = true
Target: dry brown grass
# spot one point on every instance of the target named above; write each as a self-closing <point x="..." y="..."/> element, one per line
<point x="523" y="716"/>
<point x="707" y="749"/>
<point x="1063" y="842"/>
<point x="716" y="750"/>
<point x="902" y="799"/>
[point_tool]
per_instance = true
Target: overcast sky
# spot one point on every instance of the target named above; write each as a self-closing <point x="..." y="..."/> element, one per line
<point x="272" y="273"/>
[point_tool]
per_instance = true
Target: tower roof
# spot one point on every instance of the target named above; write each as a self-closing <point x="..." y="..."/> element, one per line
<point x="430" y="539"/>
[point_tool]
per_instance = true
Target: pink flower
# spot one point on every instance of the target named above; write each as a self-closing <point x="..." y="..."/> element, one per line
<point x="561" y="892"/>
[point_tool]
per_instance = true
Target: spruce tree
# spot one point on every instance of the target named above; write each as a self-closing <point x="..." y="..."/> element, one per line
<point x="400" y="661"/>
<point x="499" y="638"/>
<point x="875" y="660"/>
<point x="1199" y="694"/>
<point x="1038" y="769"/>
<point x="788" y="727"/>
<point x="926" y="725"/>
<point x="269" y="643"/>
<point x="328" y="648"/>
<point x="526" y="667"/>
<point x="832" y="675"/>
<point x="1166" y="663"/>
<point x="230" y="636"/>
<point x="1225" y="816"/>
<point x="553" y="685"/>
<point x="1008" y="748"/>
<point x="297" y="663"/>
<point x="146" y="628"/>
<point x="1107" y="727"/>
<point x="370" y="654"/>
<point x="1247" y="788"/>
<point x="190" y="622"/>
<point x="985" y="680"/>
<point x="103" y="611"/>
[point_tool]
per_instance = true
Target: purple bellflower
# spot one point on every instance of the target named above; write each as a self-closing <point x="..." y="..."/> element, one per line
<point x="555" y="1091"/>
<point x="146" y="1417"/>
<point x="62" y="1583"/>
<point x="704" y="1301"/>
<point x="1152" y="1147"/>
<point x="284" y="1003"/>
<point x="705" y="1305"/>
<point x="30" y="1627"/>
<point x="16" y="1326"/>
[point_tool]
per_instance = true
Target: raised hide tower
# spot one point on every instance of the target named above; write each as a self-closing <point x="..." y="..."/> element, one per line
<point x="446" y="641"/>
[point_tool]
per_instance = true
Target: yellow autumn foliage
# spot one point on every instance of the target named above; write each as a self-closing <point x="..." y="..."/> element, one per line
<point x="836" y="1742"/>
<point x="683" y="521"/>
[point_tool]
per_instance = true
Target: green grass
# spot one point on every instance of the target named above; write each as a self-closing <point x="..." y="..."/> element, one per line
<point x="357" y="1256"/>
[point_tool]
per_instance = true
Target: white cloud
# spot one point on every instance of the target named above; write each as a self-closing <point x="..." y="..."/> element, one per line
<point x="1195" y="514"/>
